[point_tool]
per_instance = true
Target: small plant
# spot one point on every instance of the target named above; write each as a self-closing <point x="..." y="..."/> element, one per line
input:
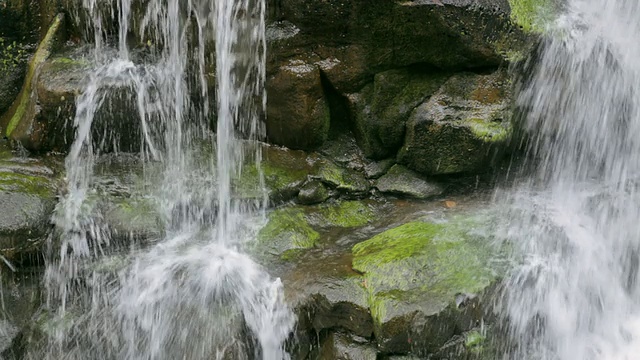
<point x="12" y="53"/>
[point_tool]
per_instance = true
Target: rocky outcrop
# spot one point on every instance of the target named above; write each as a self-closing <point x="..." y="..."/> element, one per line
<point x="461" y="128"/>
<point x="297" y="111"/>
<point x="381" y="110"/>
<point x="28" y="189"/>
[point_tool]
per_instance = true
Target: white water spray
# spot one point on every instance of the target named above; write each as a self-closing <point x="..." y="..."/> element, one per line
<point x="577" y="294"/>
<point x="193" y="294"/>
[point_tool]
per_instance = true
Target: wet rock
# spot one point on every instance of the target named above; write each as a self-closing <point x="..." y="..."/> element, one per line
<point x="412" y="274"/>
<point x="21" y="298"/>
<point x="284" y="171"/>
<point x="446" y="34"/>
<point x="297" y="112"/>
<point x="28" y="191"/>
<point x="313" y="192"/>
<point x="344" y="180"/>
<point x="331" y="294"/>
<point x="375" y="169"/>
<point x="344" y="151"/>
<point x="339" y="346"/>
<point x="460" y="129"/>
<point x="286" y="231"/>
<point x="401" y="181"/>
<point x="382" y="109"/>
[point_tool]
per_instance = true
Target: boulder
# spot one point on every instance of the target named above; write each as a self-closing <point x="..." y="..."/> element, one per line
<point x="403" y="182"/>
<point x="381" y="110"/>
<point x="297" y="111"/>
<point x="339" y="346"/>
<point x="423" y="281"/>
<point x="462" y="128"/>
<point x="28" y="190"/>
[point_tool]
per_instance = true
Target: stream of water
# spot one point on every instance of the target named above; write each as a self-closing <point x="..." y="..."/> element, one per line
<point x="576" y="222"/>
<point x="192" y="294"/>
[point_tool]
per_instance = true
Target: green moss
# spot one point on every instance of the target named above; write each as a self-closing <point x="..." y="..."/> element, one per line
<point x="276" y="179"/>
<point x="474" y="339"/>
<point x="288" y="229"/>
<point x="23" y="106"/>
<point x="422" y="263"/>
<point x="532" y="15"/>
<point x="392" y="245"/>
<point x="342" y="179"/>
<point x="491" y="131"/>
<point x="347" y="214"/>
<point x="12" y="54"/>
<point x="27" y="184"/>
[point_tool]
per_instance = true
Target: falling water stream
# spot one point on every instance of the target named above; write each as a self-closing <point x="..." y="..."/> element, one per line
<point x="577" y="223"/>
<point x="192" y="294"/>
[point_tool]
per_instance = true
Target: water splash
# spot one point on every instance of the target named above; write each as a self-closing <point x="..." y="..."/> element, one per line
<point x="575" y="224"/>
<point x="192" y="294"/>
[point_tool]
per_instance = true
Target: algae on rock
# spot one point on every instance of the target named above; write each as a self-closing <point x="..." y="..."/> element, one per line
<point x="413" y="274"/>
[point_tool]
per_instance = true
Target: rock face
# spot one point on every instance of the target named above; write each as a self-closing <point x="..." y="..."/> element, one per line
<point x="297" y="111"/>
<point x="28" y="191"/>
<point x="381" y="110"/>
<point x="461" y="128"/>
<point x="353" y="44"/>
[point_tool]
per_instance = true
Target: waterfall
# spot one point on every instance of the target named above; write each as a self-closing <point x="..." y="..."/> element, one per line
<point x="192" y="294"/>
<point x="575" y="223"/>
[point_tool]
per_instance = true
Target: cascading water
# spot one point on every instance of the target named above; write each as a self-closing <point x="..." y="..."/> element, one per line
<point x="577" y="294"/>
<point x="192" y="294"/>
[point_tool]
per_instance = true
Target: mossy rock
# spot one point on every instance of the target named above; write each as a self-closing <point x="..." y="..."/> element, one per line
<point x="287" y="230"/>
<point x="294" y="228"/>
<point x="284" y="172"/>
<point x="463" y="128"/>
<point x="533" y="15"/>
<point x="346" y="214"/>
<point x="345" y="180"/>
<point x="413" y="274"/>
<point x="28" y="192"/>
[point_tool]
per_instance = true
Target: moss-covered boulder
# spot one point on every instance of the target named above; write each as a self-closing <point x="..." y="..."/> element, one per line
<point x="345" y="180"/>
<point x="381" y="110"/>
<point x="28" y="190"/>
<point x="287" y="230"/>
<point x="403" y="182"/>
<point x="421" y="279"/>
<point x="297" y="111"/>
<point x="462" y="128"/>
